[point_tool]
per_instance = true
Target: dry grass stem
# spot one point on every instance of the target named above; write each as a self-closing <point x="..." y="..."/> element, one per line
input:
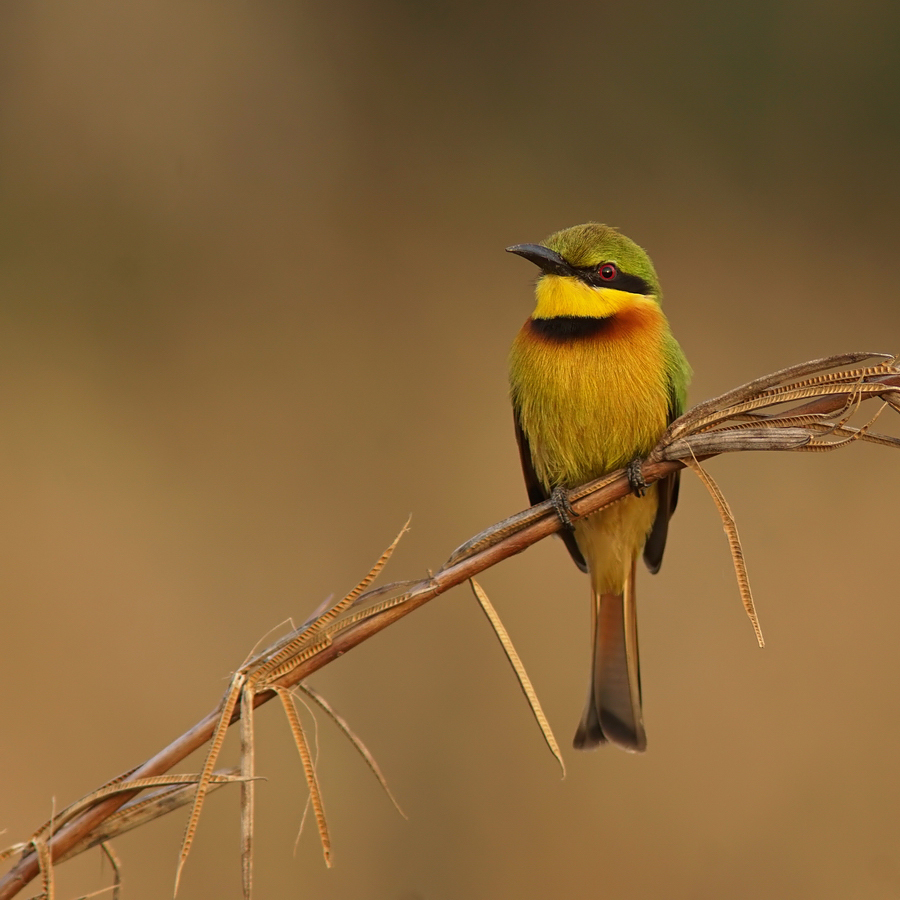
<point x="13" y="849"/>
<point x="248" y="791"/>
<point x="360" y="747"/>
<point x="116" y="865"/>
<point x="801" y="408"/>
<point x="522" y="676"/>
<point x="97" y="893"/>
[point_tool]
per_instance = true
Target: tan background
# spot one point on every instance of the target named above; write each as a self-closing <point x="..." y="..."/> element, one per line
<point x="255" y="311"/>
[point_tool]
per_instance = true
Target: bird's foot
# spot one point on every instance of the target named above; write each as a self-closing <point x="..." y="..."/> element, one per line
<point x="559" y="497"/>
<point x="636" y="478"/>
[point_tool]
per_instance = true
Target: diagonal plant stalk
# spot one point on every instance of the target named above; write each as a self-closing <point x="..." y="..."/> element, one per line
<point x="732" y="422"/>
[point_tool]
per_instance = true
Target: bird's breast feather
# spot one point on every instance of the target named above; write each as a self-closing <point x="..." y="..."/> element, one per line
<point x="588" y="406"/>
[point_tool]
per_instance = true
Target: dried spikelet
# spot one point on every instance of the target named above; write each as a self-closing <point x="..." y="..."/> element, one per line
<point x="360" y="747"/>
<point x="309" y="769"/>
<point x="279" y="660"/>
<point x="519" y="669"/>
<point x="734" y="543"/>
<point x="228" y="705"/>
<point x="248" y="790"/>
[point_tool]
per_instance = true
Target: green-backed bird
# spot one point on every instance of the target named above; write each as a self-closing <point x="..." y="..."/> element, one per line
<point x="596" y="377"/>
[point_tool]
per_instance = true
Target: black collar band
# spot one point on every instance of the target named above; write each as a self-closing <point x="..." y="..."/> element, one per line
<point x="565" y="328"/>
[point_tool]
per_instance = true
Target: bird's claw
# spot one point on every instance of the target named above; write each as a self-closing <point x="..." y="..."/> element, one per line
<point x="559" y="497"/>
<point x="636" y="477"/>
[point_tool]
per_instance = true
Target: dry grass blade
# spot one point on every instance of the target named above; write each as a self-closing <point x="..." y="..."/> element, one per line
<point x="263" y="678"/>
<point x="519" y="669"/>
<point x="289" y="622"/>
<point x="374" y="572"/>
<point x="98" y="892"/>
<point x="112" y="788"/>
<point x="46" y="866"/>
<point x="361" y="615"/>
<point x="248" y="790"/>
<point x="849" y="434"/>
<point x="854" y="434"/>
<point x="309" y="769"/>
<point x="589" y="488"/>
<point x="13" y="849"/>
<point x="315" y="762"/>
<point x="116" y="865"/>
<point x="765" y="420"/>
<point x="849" y="384"/>
<point x="836" y="421"/>
<point x="688" y="422"/>
<point x="278" y="661"/>
<point x="764" y="400"/>
<point x="228" y="705"/>
<point x="361" y="748"/>
<point x="497" y="533"/>
<point x="179" y="790"/>
<point x="846" y="377"/>
<point x="306" y="805"/>
<point x="731" y="441"/>
<point x="819" y="423"/>
<point x="734" y="542"/>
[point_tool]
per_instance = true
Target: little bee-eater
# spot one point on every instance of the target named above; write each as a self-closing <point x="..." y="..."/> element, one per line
<point x="596" y="377"/>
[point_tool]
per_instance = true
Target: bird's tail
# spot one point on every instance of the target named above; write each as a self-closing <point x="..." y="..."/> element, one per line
<point x="613" y="711"/>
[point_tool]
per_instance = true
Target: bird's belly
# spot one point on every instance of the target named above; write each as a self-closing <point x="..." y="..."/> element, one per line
<point x="610" y="539"/>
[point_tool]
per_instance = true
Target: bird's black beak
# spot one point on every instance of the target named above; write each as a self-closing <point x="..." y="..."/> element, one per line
<point x="547" y="260"/>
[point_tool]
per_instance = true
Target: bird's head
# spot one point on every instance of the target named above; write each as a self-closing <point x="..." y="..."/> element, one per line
<point x="590" y="271"/>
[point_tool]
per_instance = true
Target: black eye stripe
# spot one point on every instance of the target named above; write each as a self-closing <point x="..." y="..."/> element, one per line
<point x="634" y="284"/>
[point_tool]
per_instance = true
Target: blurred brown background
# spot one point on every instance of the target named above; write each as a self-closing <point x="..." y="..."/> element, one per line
<point x="256" y="310"/>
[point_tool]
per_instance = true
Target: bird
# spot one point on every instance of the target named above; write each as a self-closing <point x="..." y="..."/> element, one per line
<point x="596" y="377"/>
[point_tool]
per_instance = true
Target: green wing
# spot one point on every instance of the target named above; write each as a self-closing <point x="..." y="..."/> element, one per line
<point x="667" y="488"/>
<point x="537" y="494"/>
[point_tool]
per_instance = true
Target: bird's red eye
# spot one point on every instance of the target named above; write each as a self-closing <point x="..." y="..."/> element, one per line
<point x="608" y="271"/>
